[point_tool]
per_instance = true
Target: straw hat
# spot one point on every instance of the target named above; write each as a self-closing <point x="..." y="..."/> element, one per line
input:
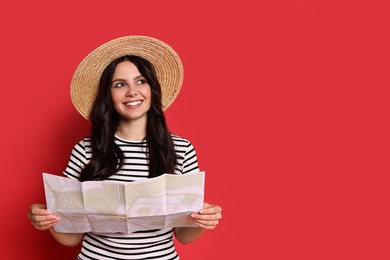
<point x="166" y="61"/>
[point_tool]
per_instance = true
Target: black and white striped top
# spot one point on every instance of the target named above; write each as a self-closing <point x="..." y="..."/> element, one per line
<point x="150" y="244"/>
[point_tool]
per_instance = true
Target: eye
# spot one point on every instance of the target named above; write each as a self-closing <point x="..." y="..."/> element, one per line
<point x="142" y="82"/>
<point x="118" y="85"/>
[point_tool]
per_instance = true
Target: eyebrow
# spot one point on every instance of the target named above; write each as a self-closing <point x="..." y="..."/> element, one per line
<point x="120" y="79"/>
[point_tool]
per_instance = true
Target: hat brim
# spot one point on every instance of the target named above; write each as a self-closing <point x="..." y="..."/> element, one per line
<point x="166" y="61"/>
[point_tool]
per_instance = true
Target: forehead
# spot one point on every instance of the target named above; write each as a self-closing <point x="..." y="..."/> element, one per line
<point x="126" y="68"/>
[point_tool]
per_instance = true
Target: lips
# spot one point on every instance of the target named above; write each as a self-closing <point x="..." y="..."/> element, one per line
<point x="133" y="103"/>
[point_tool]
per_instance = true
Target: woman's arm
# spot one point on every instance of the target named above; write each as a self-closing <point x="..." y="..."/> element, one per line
<point x="67" y="239"/>
<point x="42" y="219"/>
<point x="206" y="219"/>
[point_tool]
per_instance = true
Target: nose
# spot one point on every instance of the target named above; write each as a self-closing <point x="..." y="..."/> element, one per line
<point x="131" y="91"/>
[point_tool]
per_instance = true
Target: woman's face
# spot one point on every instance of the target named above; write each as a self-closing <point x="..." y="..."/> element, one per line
<point x="131" y="93"/>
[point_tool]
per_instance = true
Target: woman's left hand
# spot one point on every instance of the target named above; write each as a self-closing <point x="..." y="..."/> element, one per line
<point x="208" y="217"/>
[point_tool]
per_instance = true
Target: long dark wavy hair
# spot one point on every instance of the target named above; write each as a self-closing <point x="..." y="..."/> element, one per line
<point x="107" y="158"/>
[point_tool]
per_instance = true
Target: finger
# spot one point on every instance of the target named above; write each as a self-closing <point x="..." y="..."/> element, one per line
<point x="39" y="209"/>
<point x="45" y="227"/>
<point x="41" y="216"/>
<point x="210" y="209"/>
<point x="206" y="217"/>
<point x="44" y="223"/>
<point x="44" y="218"/>
<point x="207" y="224"/>
<point x="39" y="206"/>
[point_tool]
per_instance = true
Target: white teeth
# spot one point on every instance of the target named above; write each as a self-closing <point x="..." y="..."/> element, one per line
<point x="134" y="103"/>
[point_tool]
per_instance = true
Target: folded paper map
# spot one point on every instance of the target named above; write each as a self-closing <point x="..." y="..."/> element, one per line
<point x="124" y="207"/>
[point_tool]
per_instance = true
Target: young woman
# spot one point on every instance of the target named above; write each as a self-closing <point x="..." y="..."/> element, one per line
<point x="134" y="79"/>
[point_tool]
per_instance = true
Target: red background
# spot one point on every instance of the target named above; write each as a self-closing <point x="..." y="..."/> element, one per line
<point x="285" y="101"/>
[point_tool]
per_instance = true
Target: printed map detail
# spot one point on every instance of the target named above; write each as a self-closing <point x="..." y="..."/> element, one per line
<point x="124" y="207"/>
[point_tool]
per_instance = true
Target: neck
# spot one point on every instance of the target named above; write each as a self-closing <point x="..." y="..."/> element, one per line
<point x="132" y="131"/>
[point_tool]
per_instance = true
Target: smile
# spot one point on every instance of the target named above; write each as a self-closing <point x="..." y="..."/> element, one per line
<point x="133" y="103"/>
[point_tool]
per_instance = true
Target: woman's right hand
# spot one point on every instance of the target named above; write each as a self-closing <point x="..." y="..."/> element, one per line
<point x="41" y="218"/>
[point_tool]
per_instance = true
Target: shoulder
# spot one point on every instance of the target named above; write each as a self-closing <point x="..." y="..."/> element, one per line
<point x="180" y="141"/>
<point x="183" y="145"/>
<point x="86" y="140"/>
<point x="83" y="145"/>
